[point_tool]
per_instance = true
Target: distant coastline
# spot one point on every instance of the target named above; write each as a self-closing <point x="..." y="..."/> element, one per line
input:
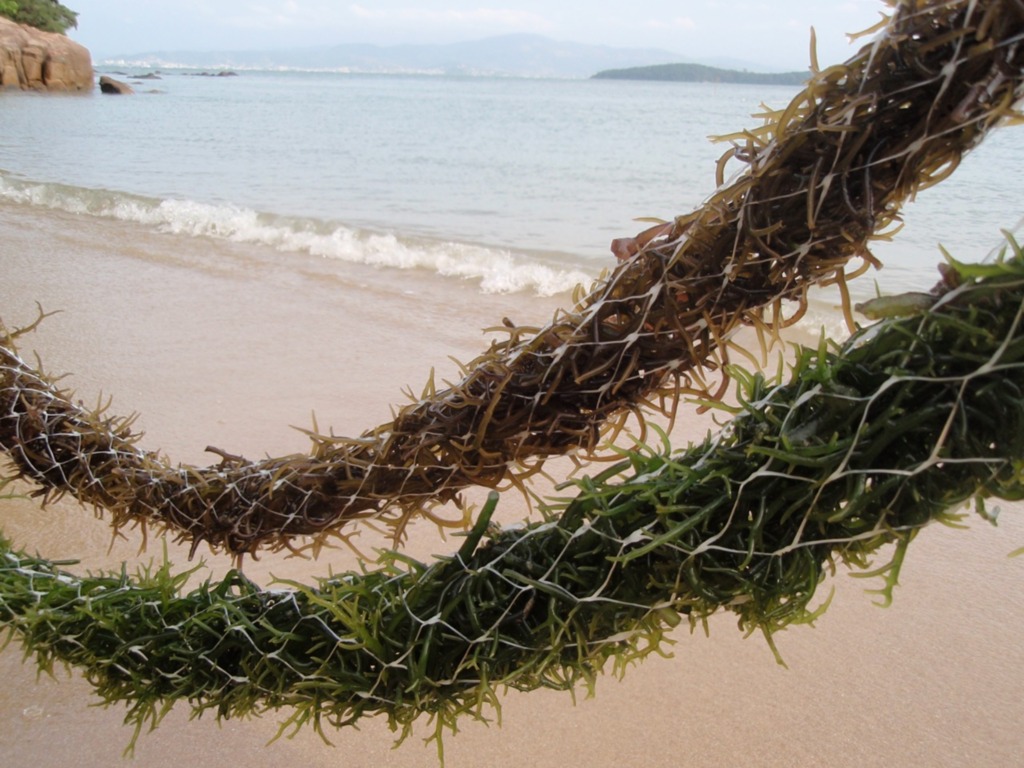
<point x="515" y="55"/>
<point x="699" y="73"/>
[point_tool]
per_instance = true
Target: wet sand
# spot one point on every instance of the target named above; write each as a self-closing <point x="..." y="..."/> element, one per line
<point x="216" y="344"/>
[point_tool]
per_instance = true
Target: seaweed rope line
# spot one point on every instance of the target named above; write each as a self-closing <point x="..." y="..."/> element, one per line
<point x="863" y="447"/>
<point x="823" y="177"/>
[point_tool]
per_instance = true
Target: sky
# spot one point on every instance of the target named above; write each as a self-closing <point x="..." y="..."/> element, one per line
<point x="772" y="33"/>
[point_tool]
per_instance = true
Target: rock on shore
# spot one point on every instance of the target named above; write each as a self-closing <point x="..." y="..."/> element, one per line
<point x="116" y="87"/>
<point x="45" y="61"/>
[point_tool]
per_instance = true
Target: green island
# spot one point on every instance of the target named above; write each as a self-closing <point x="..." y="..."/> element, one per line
<point x="699" y="73"/>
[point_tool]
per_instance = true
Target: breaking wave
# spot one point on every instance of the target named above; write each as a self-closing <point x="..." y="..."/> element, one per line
<point x="497" y="270"/>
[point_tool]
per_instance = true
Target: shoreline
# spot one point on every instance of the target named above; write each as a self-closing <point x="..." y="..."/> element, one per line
<point x="231" y="350"/>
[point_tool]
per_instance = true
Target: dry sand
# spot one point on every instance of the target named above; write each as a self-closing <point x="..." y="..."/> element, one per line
<point x="217" y="344"/>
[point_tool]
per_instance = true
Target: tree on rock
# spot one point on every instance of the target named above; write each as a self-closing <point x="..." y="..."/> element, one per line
<point x="47" y="15"/>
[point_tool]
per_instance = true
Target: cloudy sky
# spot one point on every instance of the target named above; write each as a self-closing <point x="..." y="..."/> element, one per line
<point x="772" y="33"/>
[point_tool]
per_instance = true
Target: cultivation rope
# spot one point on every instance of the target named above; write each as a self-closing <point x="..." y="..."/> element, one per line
<point x="863" y="446"/>
<point x="822" y="178"/>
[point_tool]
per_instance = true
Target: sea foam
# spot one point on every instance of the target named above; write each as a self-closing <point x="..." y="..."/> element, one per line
<point x="496" y="270"/>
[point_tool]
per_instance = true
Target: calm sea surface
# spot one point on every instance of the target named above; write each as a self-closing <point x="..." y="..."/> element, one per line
<point x="518" y="184"/>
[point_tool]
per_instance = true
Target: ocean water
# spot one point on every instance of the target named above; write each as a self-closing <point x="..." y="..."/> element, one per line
<point x="517" y="184"/>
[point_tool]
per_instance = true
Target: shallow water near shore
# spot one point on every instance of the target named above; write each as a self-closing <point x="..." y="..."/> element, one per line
<point x="178" y="304"/>
<point x="516" y="185"/>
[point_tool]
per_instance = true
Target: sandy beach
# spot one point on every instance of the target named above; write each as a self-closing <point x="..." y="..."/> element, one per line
<point x="214" y="343"/>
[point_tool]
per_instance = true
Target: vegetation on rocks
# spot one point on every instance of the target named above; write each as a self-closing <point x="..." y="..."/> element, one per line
<point x="47" y="15"/>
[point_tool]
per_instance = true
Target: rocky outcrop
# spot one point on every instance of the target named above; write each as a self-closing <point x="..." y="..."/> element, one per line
<point x="112" y="86"/>
<point x="45" y="61"/>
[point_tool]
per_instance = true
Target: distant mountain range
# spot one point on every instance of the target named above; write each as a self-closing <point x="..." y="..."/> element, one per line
<point x="507" y="55"/>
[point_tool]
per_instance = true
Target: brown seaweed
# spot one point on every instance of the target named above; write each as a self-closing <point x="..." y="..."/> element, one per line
<point x="821" y="178"/>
